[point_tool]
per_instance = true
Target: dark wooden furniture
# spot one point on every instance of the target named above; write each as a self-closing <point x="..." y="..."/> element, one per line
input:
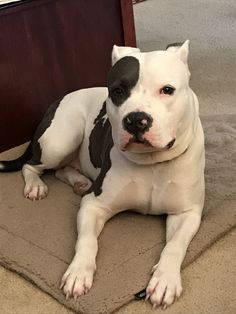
<point x="51" y="47"/>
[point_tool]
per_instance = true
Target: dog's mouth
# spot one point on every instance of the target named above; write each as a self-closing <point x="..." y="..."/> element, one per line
<point x="137" y="143"/>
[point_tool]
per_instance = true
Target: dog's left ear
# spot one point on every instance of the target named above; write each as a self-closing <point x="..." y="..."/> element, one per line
<point x="181" y="49"/>
<point x="119" y="52"/>
<point x="183" y="52"/>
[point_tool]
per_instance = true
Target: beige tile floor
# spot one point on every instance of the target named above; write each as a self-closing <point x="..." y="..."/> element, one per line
<point x="209" y="288"/>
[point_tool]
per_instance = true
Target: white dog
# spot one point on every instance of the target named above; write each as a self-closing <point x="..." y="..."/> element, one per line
<point x="137" y="145"/>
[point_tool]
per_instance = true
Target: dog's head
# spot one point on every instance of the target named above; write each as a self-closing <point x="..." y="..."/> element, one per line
<point x="148" y="98"/>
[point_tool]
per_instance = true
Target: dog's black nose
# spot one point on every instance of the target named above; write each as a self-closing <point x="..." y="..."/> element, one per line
<point x="137" y="122"/>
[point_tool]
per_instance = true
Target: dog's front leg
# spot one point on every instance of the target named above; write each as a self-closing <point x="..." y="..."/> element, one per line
<point x="91" y="218"/>
<point x="165" y="284"/>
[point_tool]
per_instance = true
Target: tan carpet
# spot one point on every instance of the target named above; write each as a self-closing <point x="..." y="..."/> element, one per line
<point x="209" y="288"/>
<point x="209" y="284"/>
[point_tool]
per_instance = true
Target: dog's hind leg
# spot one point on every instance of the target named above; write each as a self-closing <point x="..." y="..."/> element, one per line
<point x="55" y="142"/>
<point x="50" y="157"/>
<point x="35" y="188"/>
<point x="53" y="154"/>
<point x="73" y="177"/>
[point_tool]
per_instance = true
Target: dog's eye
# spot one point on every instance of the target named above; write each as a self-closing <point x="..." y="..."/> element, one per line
<point x="167" y="90"/>
<point x="117" y="92"/>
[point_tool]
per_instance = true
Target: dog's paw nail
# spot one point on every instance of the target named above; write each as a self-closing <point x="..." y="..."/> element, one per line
<point x="164" y="307"/>
<point x="67" y="295"/>
<point x="154" y="268"/>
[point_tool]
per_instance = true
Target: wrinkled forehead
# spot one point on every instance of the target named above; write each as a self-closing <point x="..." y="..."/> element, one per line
<point x="149" y="69"/>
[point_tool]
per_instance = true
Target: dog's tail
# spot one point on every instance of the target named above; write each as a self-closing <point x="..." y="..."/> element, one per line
<point x="16" y="164"/>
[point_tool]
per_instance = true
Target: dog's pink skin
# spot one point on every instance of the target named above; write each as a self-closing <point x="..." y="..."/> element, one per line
<point x="124" y="139"/>
<point x="149" y="136"/>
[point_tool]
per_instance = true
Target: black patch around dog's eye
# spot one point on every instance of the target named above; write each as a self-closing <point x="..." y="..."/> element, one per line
<point x="117" y="92"/>
<point x="100" y="144"/>
<point x="122" y="78"/>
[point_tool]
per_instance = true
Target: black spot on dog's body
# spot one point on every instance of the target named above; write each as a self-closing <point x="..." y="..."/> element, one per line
<point x="100" y="144"/>
<point x="42" y="127"/>
<point x="122" y="78"/>
<point x="32" y="155"/>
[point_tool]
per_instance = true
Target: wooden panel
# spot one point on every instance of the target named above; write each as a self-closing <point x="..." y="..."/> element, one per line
<point x="128" y="23"/>
<point x="49" y="48"/>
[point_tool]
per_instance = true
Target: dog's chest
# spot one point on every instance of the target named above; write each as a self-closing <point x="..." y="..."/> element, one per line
<point x="163" y="197"/>
<point x="160" y="188"/>
<point x="150" y="190"/>
<point x="171" y="190"/>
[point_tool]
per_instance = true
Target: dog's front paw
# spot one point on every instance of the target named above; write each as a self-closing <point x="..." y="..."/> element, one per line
<point x="77" y="280"/>
<point x="164" y="287"/>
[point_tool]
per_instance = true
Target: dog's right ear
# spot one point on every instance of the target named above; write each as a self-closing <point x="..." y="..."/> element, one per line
<point x="119" y="52"/>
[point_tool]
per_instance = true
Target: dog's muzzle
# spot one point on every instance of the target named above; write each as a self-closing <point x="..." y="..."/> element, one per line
<point x="137" y="124"/>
